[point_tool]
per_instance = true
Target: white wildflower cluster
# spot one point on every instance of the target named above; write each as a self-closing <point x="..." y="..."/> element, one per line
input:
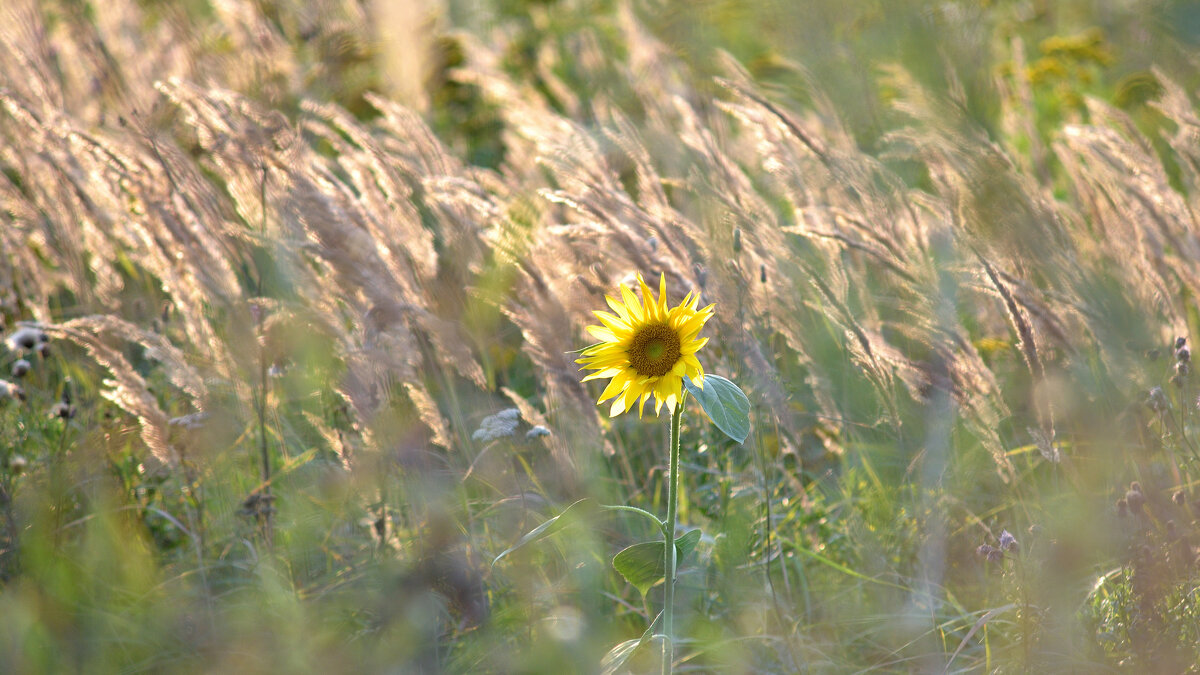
<point x="190" y="422"/>
<point x="537" y="432"/>
<point x="505" y="424"/>
<point x="500" y="425"/>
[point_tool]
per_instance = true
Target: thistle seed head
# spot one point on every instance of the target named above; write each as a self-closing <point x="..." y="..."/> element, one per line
<point x="26" y="337"/>
<point x="1007" y="541"/>
<point x="63" y="411"/>
<point x="990" y="552"/>
<point x="10" y="390"/>
<point x="20" y="368"/>
<point x="1134" y="497"/>
<point x="17" y="464"/>
<point x="1158" y="400"/>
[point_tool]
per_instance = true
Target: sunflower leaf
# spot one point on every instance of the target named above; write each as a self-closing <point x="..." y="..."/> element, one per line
<point x="568" y="517"/>
<point x="725" y="404"/>
<point x="642" y="564"/>
<point x="619" y="654"/>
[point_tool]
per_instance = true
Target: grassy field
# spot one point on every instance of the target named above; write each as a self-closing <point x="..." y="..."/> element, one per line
<point x="292" y="294"/>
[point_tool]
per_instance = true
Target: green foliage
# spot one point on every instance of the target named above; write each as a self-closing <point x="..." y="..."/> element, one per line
<point x="570" y="516"/>
<point x="725" y="404"/>
<point x="642" y="564"/>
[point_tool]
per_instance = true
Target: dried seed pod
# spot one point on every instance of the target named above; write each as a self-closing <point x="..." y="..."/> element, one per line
<point x="25" y="337"/>
<point x="63" y="411"/>
<point x="17" y="464"/>
<point x="20" y="368"/>
<point x="1158" y="400"/>
<point x="1134" y="497"/>
<point x="10" y="390"/>
<point x="990" y="552"/>
<point x="1007" y="541"/>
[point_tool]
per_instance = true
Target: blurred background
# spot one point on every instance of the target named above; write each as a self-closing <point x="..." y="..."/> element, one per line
<point x="291" y="293"/>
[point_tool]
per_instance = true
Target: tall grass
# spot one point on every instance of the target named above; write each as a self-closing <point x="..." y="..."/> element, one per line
<point x="273" y="316"/>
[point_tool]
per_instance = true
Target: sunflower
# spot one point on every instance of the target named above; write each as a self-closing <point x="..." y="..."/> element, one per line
<point x="646" y="348"/>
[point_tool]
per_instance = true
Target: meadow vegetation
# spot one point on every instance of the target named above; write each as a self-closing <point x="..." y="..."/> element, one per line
<point x="290" y="343"/>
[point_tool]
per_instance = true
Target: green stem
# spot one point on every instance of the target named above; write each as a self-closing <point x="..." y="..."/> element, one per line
<point x="668" y="653"/>
<point x="641" y="512"/>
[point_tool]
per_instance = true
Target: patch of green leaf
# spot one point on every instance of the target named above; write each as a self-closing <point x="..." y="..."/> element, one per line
<point x="724" y="403"/>
<point x="571" y="515"/>
<point x="642" y="564"/>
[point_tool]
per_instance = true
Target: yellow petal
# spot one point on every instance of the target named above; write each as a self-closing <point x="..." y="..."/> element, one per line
<point x="693" y="346"/>
<point x="614" y="387"/>
<point x="601" y="374"/>
<point x="662" y="295"/>
<point x="634" y="307"/>
<point x="618" y="406"/>
<point x="648" y="300"/>
<point x="601" y="333"/>
<point x="618" y="308"/>
<point x="616" y="324"/>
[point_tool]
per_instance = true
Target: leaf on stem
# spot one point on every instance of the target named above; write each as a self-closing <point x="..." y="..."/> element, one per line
<point x="724" y="403"/>
<point x="642" y="564"/>
<point x="569" y="516"/>
<point x="618" y="655"/>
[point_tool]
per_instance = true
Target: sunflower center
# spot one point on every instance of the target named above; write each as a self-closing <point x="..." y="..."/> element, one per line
<point x="654" y="350"/>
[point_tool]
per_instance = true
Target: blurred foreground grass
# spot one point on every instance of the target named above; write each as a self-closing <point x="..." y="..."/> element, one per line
<point x="289" y="293"/>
